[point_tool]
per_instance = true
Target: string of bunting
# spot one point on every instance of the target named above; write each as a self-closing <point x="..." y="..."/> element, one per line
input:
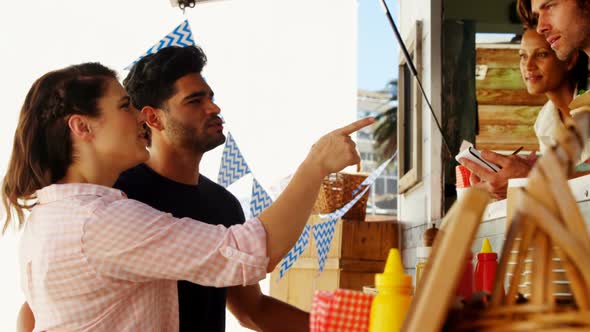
<point x="181" y="36"/>
<point x="234" y="167"/>
<point x="294" y="253"/>
<point x="323" y="232"/>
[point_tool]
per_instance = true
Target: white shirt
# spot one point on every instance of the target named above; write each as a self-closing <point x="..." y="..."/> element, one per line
<point x="546" y="127"/>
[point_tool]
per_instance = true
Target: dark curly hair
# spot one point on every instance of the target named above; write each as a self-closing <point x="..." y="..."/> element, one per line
<point x="151" y="80"/>
<point x="43" y="150"/>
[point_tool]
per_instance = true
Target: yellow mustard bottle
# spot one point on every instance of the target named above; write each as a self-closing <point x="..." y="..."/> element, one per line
<point x="394" y="294"/>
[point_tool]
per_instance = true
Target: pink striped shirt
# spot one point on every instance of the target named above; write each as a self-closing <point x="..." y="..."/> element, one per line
<point x="93" y="260"/>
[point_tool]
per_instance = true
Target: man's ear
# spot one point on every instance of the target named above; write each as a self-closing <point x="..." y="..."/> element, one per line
<point x="80" y="127"/>
<point x="153" y="117"/>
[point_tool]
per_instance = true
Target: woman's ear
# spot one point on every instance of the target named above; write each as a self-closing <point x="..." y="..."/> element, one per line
<point x="153" y="117"/>
<point x="80" y="127"/>
<point x="571" y="63"/>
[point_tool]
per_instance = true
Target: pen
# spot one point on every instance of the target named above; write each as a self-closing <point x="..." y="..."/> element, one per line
<point x="517" y="150"/>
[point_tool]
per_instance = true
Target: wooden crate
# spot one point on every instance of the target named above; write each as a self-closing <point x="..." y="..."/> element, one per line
<point x="358" y="251"/>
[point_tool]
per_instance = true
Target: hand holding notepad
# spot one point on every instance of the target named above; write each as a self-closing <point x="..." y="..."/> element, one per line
<point x="472" y="154"/>
<point x="491" y="171"/>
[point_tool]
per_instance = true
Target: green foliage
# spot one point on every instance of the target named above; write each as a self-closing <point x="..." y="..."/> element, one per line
<point x="385" y="134"/>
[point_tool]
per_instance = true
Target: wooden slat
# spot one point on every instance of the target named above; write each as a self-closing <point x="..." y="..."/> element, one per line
<point x="356" y="280"/>
<point x="499" y="132"/>
<point x="497" y="57"/>
<point x="508" y="97"/>
<point x="501" y="78"/>
<point x="368" y="241"/>
<point x="507" y="115"/>
<point x="506" y="137"/>
<point x="505" y="147"/>
<point x="355" y="265"/>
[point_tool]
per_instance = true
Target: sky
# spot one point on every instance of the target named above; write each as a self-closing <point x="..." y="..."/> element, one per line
<point x="378" y="51"/>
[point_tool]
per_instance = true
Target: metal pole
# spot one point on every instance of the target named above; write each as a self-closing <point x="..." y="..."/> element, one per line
<point x="410" y="64"/>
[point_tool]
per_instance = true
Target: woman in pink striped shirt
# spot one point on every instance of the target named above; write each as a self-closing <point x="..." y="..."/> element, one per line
<point x="91" y="259"/>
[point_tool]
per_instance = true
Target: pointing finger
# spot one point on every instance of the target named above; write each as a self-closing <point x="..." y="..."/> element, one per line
<point x="351" y="128"/>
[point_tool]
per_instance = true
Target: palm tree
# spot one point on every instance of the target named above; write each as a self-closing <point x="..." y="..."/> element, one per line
<point x="385" y="135"/>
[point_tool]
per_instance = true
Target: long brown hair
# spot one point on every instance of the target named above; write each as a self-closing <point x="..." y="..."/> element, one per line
<point x="42" y="150"/>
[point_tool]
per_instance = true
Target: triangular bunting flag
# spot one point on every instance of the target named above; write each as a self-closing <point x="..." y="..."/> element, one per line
<point x="181" y="36"/>
<point x="260" y="199"/>
<point x="322" y="235"/>
<point x="233" y="166"/>
<point x="295" y="252"/>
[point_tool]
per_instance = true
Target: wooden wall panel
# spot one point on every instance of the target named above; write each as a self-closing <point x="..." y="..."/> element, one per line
<point x="508" y="97"/>
<point x="506" y="112"/>
<point x="507" y="115"/>
<point x="497" y="57"/>
<point x="501" y="79"/>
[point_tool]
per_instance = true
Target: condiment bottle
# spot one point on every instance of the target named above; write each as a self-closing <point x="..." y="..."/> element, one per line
<point x="465" y="287"/>
<point x="485" y="270"/>
<point x="394" y="294"/>
<point x="422" y="253"/>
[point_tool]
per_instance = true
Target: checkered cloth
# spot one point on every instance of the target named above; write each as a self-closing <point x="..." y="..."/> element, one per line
<point x="462" y="174"/>
<point x="340" y="311"/>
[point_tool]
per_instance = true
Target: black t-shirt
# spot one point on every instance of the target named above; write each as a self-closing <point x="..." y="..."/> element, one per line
<point x="200" y="308"/>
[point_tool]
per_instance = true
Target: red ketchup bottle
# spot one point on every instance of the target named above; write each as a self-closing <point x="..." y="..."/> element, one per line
<point x="465" y="288"/>
<point x="485" y="270"/>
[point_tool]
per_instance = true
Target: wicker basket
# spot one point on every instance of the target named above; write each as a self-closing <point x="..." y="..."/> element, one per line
<point x="337" y="190"/>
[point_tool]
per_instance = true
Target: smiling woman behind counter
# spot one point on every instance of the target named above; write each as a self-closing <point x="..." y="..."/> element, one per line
<point x="543" y="73"/>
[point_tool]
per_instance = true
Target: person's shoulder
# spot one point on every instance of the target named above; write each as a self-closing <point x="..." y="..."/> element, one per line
<point x="130" y="179"/>
<point x="546" y="109"/>
<point x="210" y="185"/>
<point x="545" y="118"/>
<point x="212" y="188"/>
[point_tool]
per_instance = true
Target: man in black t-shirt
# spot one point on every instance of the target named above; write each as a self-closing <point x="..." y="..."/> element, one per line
<point x="199" y="306"/>
<point x="184" y="123"/>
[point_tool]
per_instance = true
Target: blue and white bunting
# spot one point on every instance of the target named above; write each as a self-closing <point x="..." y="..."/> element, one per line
<point x="233" y="166"/>
<point x="295" y="252"/>
<point x="259" y="200"/>
<point x="373" y="176"/>
<point x="181" y="36"/>
<point x="322" y="235"/>
<point x="324" y="232"/>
